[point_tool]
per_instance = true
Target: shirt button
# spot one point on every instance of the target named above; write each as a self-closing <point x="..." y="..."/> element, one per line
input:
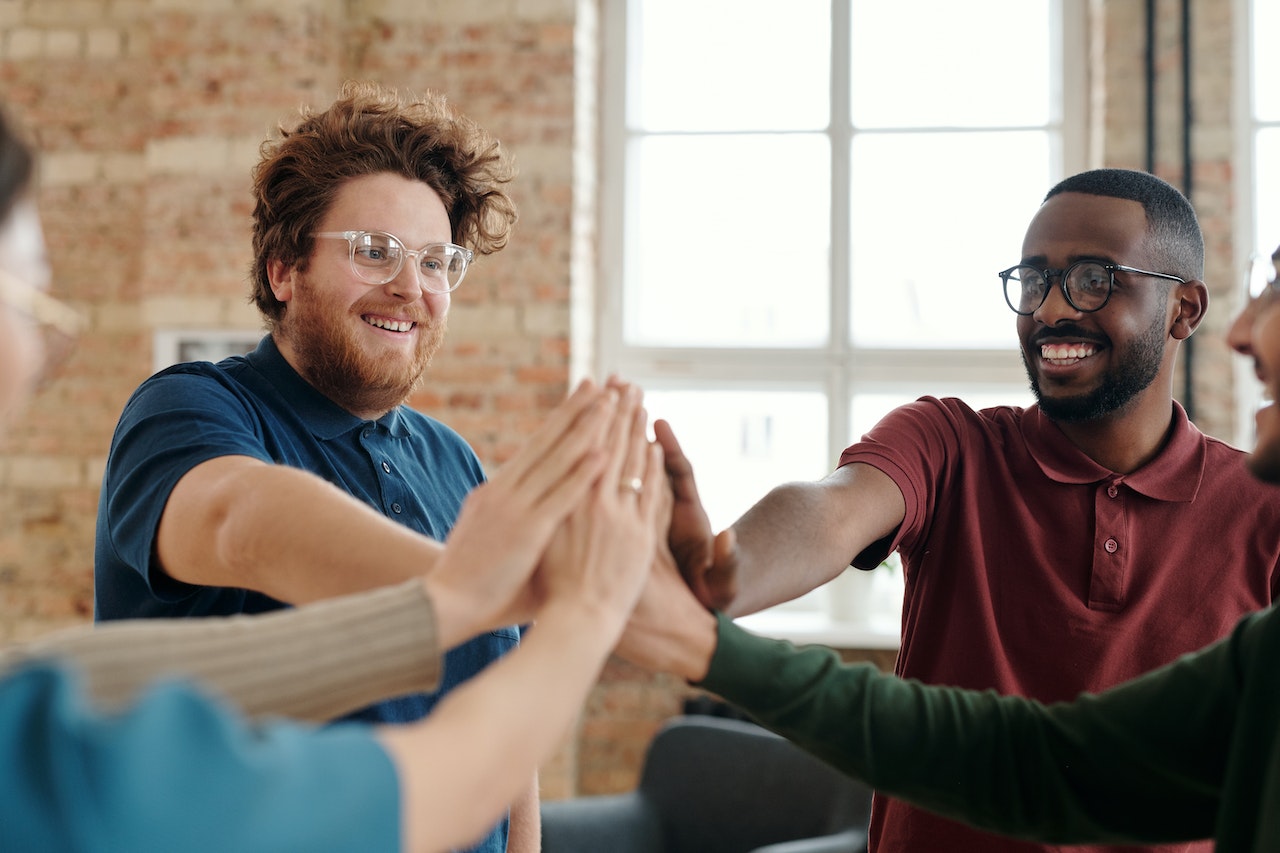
<point x="1112" y="491"/>
<point x="1111" y="545"/>
<point x="386" y="467"/>
<point x="395" y="508"/>
<point x="367" y="433"/>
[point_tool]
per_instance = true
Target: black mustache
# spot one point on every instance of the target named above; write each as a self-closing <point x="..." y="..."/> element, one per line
<point x="1066" y="330"/>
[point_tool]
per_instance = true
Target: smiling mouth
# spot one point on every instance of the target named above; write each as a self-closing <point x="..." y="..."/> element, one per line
<point x="1066" y="354"/>
<point x="389" y="325"/>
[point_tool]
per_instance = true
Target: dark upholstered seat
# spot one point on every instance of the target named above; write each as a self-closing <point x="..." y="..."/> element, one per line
<point x="713" y="785"/>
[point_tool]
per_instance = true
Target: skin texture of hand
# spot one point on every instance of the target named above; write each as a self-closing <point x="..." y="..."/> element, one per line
<point x="480" y="581"/>
<point x="669" y="630"/>
<point x="708" y="562"/>
<point x="601" y="552"/>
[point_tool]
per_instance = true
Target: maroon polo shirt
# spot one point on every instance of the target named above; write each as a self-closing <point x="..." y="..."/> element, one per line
<point x="1034" y="571"/>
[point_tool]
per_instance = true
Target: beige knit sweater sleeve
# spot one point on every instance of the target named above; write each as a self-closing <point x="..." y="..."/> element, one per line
<point x="311" y="663"/>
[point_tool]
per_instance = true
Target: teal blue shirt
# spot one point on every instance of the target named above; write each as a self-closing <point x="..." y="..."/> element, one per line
<point x="178" y="771"/>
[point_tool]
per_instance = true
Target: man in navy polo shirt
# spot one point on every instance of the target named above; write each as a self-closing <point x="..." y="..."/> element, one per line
<point x="296" y="473"/>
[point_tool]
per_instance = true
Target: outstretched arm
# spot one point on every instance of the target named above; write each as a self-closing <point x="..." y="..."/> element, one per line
<point x="796" y="538"/>
<point x="1143" y="762"/>
<point x="331" y="657"/>
<point x="239" y="522"/>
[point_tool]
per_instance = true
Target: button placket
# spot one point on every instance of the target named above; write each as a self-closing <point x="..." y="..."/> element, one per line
<point x="1110" y="560"/>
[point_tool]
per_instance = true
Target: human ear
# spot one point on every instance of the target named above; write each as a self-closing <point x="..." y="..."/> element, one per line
<point x="1191" y="300"/>
<point x="281" y="276"/>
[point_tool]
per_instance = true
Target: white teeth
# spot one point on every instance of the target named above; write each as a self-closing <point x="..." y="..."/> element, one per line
<point x="1066" y="352"/>
<point x="389" y="325"/>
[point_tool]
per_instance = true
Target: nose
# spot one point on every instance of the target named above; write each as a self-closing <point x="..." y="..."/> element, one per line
<point x="1055" y="307"/>
<point x="1240" y="334"/>
<point x="407" y="282"/>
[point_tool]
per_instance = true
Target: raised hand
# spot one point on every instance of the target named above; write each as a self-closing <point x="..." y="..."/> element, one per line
<point x="708" y="562"/>
<point x="669" y="630"/>
<point x="601" y="554"/>
<point x="506" y="523"/>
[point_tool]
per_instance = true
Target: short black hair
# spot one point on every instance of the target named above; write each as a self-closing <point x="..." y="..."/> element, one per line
<point x="1171" y="220"/>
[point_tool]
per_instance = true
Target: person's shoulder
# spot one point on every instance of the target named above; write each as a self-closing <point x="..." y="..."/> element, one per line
<point x="436" y="436"/>
<point x="422" y="425"/>
<point x="965" y="417"/>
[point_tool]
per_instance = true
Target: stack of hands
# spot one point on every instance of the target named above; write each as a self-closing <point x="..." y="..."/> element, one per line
<point x="579" y="525"/>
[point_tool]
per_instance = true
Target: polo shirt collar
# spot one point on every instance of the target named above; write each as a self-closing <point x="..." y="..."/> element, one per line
<point x="1173" y="475"/>
<point x="325" y="418"/>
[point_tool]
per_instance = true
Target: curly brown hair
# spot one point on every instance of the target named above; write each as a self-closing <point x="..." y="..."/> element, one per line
<point x="370" y="129"/>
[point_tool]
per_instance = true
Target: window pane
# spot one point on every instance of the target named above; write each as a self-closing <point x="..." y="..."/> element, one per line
<point x="729" y="241"/>
<point x="935" y="217"/>
<point x="870" y="406"/>
<point x="947" y="66"/>
<point x="742" y="443"/>
<point x="1266" y="60"/>
<point x="1267" y="187"/>
<point x="731" y="64"/>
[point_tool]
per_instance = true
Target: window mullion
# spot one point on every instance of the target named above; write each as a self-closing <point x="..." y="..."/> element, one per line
<point x="842" y="361"/>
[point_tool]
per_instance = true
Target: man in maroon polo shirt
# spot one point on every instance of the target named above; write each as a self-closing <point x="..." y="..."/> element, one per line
<point x="1051" y="550"/>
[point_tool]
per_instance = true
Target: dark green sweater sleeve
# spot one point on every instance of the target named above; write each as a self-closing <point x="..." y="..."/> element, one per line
<point x="1141" y="762"/>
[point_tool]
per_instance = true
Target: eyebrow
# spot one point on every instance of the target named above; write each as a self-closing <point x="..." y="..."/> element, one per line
<point x="1042" y="260"/>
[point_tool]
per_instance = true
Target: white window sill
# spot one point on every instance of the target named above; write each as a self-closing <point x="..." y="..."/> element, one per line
<point x="814" y="628"/>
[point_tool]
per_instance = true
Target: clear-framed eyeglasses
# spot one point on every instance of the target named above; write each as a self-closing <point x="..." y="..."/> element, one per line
<point x="377" y="257"/>
<point x="1087" y="284"/>
<point x="59" y="325"/>
<point x="1262" y="275"/>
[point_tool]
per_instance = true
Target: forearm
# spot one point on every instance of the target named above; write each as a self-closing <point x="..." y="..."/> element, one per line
<point x="787" y="545"/>
<point x="526" y="822"/>
<point x="283" y="532"/>
<point x="462" y="766"/>
<point x="311" y="663"/>
<point x="1138" y="763"/>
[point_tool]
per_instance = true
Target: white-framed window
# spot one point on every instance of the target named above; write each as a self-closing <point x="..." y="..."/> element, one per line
<point x="1258" y="69"/>
<point x="804" y="208"/>
<point x="174" y="346"/>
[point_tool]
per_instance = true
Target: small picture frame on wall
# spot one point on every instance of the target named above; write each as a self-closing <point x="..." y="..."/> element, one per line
<point x="174" y="346"/>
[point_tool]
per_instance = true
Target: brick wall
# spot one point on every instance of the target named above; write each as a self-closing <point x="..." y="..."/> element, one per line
<point x="149" y="113"/>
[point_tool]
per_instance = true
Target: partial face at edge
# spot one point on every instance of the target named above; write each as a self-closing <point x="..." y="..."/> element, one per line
<point x="1256" y="333"/>
<point x="22" y="255"/>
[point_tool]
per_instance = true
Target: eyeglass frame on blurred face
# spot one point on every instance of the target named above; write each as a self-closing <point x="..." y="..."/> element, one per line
<point x="1263" y="277"/>
<point x="375" y="272"/>
<point x="59" y="323"/>
<point x="1065" y="275"/>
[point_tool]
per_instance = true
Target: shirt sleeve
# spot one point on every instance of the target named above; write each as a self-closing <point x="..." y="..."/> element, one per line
<point x="174" y="422"/>
<point x="1144" y="761"/>
<point x="912" y="445"/>
<point x="314" y="663"/>
<point x="178" y="771"/>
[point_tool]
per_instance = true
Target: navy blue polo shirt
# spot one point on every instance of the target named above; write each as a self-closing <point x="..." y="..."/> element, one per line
<point x="411" y="468"/>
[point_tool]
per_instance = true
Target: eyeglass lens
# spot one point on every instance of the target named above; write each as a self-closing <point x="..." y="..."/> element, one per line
<point x="377" y="258"/>
<point x="1262" y="275"/>
<point x="1088" y="287"/>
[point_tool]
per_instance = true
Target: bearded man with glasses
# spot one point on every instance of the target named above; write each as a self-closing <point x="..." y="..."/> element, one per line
<point x="1048" y="551"/>
<point x="296" y="472"/>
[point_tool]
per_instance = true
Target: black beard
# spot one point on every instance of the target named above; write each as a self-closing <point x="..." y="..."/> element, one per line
<point x="1264" y="463"/>
<point x="1137" y="368"/>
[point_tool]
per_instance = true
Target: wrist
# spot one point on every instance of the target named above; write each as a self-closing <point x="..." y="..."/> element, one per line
<point x="457" y="618"/>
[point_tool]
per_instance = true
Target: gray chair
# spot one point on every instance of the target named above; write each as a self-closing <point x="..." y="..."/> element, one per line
<point x="712" y="785"/>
